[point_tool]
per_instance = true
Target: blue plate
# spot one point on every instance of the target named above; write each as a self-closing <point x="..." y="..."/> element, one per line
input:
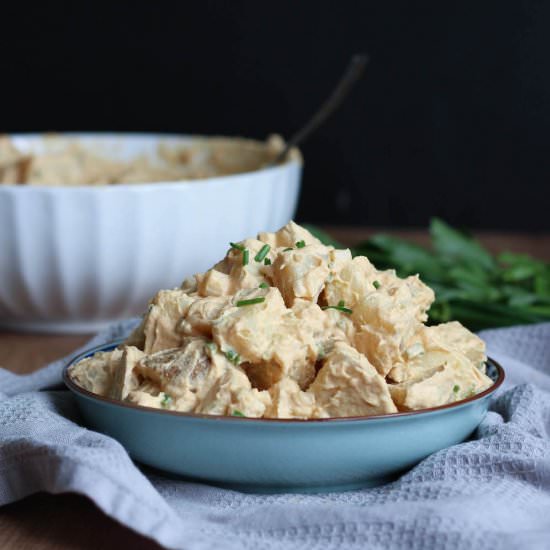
<point x="270" y="455"/>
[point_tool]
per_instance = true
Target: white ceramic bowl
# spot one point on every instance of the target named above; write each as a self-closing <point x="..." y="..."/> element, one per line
<point x="73" y="259"/>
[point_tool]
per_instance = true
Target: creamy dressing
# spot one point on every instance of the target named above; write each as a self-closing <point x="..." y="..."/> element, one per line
<point x="285" y="327"/>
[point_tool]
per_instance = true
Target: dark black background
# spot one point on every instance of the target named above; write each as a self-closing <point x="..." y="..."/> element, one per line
<point x="452" y="117"/>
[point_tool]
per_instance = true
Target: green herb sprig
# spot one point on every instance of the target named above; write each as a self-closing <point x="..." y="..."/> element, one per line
<point x="262" y="253"/>
<point x="340" y="307"/>
<point x="233" y="357"/>
<point x="245" y="252"/>
<point x="250" y="302"/>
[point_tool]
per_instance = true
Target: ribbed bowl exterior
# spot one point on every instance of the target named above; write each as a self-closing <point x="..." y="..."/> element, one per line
<point x="74" y="259"/>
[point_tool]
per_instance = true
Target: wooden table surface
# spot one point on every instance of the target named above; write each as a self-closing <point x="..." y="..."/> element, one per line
<point x="46" y="522"/>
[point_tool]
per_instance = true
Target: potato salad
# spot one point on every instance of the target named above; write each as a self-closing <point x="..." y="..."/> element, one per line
<point x="65" y="161"/>
<point x="286" y="327"/>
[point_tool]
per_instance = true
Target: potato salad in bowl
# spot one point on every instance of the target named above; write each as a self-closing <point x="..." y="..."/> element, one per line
<point x="285" y="327"/>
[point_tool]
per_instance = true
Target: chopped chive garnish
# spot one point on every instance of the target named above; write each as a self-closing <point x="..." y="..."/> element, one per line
<point x="456" y="388"/>
<point x="166" y="400"/>
<point x="300" y="244"/>
<point x="376" y="285"/>
<point x="250" y="302"/>
<point x="339" y="307"/>
<point x="237" y="246"/>
<point x="264" y="285"/>
<point x="212" y="346"/>
<point x="287" y="249"/>
<point x="245" y="256"/>
<point x="262" y="253"/>
<point x="237" y="413"/>
<point x="233" y="356"/>
<point x="267" y="261"/>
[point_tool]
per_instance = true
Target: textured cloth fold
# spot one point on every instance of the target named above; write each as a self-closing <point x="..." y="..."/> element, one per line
<point x="492" y="491"/>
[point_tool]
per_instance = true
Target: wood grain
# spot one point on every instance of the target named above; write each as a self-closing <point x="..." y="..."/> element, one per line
<point x="24" y="353"/>
<point x="46" y="522"/>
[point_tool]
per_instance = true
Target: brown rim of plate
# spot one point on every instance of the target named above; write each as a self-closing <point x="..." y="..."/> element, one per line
<point x="78" y="389"/>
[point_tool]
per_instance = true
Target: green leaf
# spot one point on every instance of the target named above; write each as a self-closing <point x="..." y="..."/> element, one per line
<point x="477" y="318"/>
<point x="543" y="312"/>
<point x="519" y="272"/>
<point x="511" y="259"/>
<point x="503" y="312"/>
<point x="447" y="293"/>
<point x="440" y="312"/>
<point x="470" y="275"/>
<point x="518" y="296"/>
<point x="521" y="300"/>
<point x="478" y="293"/>
<point x="454" y="245"/>
<point x="542" y="283"/>
<point x="408" y="258"/>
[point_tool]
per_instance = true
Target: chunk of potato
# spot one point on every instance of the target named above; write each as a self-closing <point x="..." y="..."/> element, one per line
<point x="95" y="373"/>
<point x="288" y="236"/>
<point x="268" y="338"/>
<point x="289" y="401"/>
<point x="301" y="272"/>
<point x="158" y="329"/>
<point x="348" y="385"/>
<point x="436" y="378"/>
<point x="124" y="376"/>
